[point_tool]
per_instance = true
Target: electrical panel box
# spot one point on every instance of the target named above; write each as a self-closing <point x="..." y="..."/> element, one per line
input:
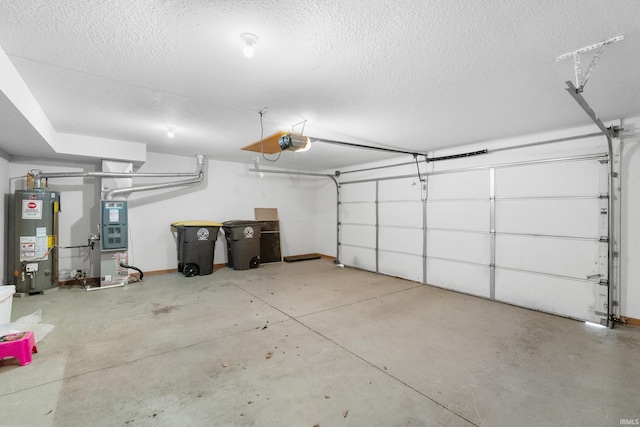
<point x="114" y="225"/>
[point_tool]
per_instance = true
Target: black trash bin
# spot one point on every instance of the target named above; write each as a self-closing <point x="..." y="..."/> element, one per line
<point x="243" y="243"/>
<point x="196" y="241"/>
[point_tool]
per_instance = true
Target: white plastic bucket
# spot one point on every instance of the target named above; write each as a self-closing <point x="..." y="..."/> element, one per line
<point x="6" y="301"/>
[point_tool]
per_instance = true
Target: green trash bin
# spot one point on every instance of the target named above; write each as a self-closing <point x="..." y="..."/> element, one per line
<point x="243" y="243"/>
<point x="196" y="241"/>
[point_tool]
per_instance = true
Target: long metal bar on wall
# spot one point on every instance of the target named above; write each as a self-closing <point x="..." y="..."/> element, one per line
<point x="492" y="230"/>
<point x="424" y="196"/>
<point x="493" y="150"/>
<point x="199" y="170"/>
<point x="576" y="94"/>
<point x="377" y="205"/>
<point x="598" y="156"/>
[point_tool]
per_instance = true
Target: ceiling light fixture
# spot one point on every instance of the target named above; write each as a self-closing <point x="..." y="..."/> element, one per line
<point x="294" y="142"/>
<point x="171" y="133"/>
<point x="250" y="40"/>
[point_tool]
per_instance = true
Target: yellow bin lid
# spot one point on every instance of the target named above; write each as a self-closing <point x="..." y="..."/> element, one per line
<point x="195" y="223"/>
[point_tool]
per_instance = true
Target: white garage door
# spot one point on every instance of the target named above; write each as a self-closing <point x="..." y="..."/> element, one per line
<point x="551" y="237"/>
<point x="533" y="235"/>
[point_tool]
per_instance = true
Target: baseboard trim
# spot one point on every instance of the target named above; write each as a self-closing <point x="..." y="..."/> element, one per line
<point x="630" y="321"/>
<point x="96" y="280"/>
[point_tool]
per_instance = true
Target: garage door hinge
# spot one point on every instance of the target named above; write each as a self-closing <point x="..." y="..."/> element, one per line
<point x="603" y="196"/>
<point x="614" y="174"/>
<point x="603" y="211"/>
<point x="615" y="304"/>
<point x="604" y="282"/>
<point x="604" y="239"/>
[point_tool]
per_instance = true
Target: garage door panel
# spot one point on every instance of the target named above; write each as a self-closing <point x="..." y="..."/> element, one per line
<point x="363" y="258"/>
<point x="359" y="235"/>
<point x="399" y="189"/>
<point x="461" y="215"/>
<point x="459" y="245"/>
<point x="561" y="217"/>
<point x="565" y="257"/>
<point x="360" y="192"/>
<point x="460" y="185"/>
<point x="461" y="277"/>
<point x="400" y="265"/>
<point x="578" y="178"/>
<point x="400" y="213"/>
<point x="406" y="240"/>
<point x="358" y="213"/>
<point x="566" y="297"/>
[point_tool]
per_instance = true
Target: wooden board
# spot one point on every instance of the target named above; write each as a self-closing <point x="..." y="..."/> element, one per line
<point x="268" y="145"/>
<point x="303" y="257"/>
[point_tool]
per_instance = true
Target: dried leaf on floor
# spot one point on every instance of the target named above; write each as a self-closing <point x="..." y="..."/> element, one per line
<point x="269" y="354"/>
<point x="225" y="365"/>
<point x="345" y="413"/>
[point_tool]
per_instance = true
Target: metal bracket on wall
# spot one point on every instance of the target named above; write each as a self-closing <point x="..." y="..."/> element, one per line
<point x="581" y="78"/>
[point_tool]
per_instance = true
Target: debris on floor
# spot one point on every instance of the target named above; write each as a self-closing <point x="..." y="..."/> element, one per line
<point x="345" y="413"/>
<point x="30" y="322"/>
<point x="269" y="354"/>
<point x="163" y="310"/>
<point x="225" y="365"/>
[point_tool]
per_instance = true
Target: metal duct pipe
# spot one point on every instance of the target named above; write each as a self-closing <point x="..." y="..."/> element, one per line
<point x="198" y="177"/>
<point x="196" y="173"/>
<point x="109" y="195"/>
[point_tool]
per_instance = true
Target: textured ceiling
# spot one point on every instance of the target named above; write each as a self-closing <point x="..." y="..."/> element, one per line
<point x="416" y="75"/>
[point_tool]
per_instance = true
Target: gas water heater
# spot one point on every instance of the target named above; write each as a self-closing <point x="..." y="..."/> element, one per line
<point x="35" y="229"/>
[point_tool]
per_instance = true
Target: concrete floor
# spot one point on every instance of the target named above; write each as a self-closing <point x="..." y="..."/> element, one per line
<point x="307" y="344"/>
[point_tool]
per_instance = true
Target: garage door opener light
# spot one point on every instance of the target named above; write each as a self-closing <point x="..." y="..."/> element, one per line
<point x="294" y="142"/>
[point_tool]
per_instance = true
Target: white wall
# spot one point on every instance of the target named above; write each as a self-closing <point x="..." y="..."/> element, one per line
<point x="630" y="219"/>
<point x="229" y="192"/>
<point x="4" y="194"/>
